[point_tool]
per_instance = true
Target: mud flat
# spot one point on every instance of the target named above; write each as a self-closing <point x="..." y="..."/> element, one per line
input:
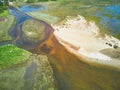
<point x="85" y="40"/>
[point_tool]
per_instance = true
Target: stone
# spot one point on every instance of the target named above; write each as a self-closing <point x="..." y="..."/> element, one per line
<point x="115" y="46"/>
<point x="33" y="30"/>
<point x="34" y="74"/>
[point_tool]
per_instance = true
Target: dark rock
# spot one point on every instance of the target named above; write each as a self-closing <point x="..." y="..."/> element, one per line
<point x="115" y="46"/>
<point x="109" y="44"/>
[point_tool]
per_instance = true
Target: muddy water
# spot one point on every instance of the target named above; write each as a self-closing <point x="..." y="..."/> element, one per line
<point x="70" y="72"/>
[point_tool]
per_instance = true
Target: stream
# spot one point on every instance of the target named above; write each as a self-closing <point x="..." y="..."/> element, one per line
<point x="69" y="71"/>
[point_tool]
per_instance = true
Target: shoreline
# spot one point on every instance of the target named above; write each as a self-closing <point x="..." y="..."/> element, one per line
<point x="91" y="61"/>
<point x="85" y="44"/>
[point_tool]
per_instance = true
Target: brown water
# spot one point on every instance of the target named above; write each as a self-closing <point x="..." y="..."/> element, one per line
<point x="72" y="74"/>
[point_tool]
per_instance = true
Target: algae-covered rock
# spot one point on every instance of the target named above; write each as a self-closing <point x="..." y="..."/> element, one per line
<point x="33" y="30"/>
<point x="39" y="74"/>
<point x="11" y="55"/>
<point x="34" y="74"/>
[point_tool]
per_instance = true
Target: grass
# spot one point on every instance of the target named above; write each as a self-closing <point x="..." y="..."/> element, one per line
<point x="11" y="55"/>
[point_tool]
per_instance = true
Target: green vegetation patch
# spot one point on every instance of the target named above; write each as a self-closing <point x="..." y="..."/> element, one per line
<point x="3" y="6"/>
<point x="4" y="13"/>
<point x="11" y="55"/>
<point x="6" y="22"/>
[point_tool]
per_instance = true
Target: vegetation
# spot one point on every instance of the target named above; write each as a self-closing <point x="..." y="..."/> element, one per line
<point x="3" y="5"/>
<point x="11" y="55"/>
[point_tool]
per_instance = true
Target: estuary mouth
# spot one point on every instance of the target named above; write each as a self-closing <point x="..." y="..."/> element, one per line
<point x="71" y="52"/>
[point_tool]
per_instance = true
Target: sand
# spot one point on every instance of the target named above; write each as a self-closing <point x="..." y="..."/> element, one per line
<point x="85" y="38"/>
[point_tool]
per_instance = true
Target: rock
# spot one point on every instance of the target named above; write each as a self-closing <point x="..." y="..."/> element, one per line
<point x="115" y="46"/>
<point x="39" y="74"/>
<point x="109" y="44"/>
<point x="35" y="74"/>
<point x="33" y="30"/>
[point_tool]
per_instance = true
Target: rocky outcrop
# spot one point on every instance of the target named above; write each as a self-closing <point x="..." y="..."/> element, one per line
<point x="33" y="30"/>
<point x="39" y="74"/>
<point x="35" y="74"/>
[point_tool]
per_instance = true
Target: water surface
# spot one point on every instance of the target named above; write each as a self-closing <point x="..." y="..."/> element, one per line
<point x="31" y="8"/>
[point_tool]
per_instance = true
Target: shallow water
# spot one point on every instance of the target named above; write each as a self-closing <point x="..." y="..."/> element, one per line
<point x="31" y="8"/>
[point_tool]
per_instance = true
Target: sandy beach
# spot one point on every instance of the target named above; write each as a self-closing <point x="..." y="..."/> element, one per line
<point x="85" y="40"/>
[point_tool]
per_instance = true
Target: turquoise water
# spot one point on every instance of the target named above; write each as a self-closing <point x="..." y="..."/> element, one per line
<point x="31" y="8"/>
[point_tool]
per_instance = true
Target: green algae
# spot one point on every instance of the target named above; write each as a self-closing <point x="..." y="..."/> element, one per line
<point x="11" y="55"/>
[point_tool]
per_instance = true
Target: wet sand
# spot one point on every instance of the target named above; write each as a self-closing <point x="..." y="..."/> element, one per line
<point x="85" y="40"/>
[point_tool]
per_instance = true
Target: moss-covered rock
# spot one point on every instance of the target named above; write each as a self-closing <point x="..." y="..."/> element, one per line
<point x="39" y="74"/>
<point x="33" y="30"/>
<point x="34" y="74"/>
<point x="11" y="55"/>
